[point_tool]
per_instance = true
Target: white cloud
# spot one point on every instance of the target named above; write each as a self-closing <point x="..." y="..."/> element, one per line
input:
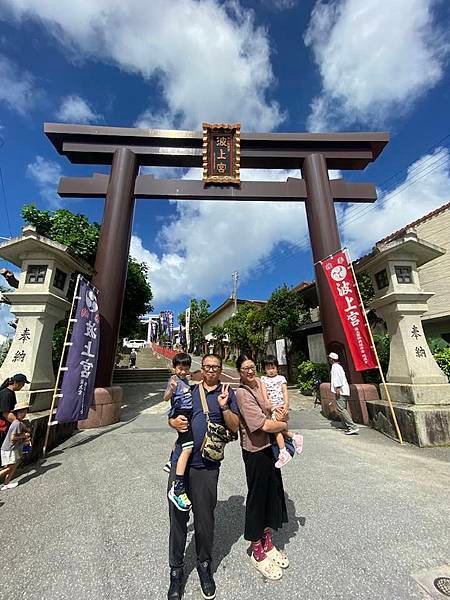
<point x="209" y="240"/>
<point x="426" y="187"/>
<point x="374" y="62"/>
<point x="17" y="87"/>
<point x="74" y="109"/>
<point x="46" y="174"/>
<point x="208" y="59"/>
<point x="280" y="4"/>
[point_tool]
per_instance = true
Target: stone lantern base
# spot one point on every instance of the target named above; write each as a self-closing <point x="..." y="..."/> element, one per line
<point x="421" y="394"/>
<point x="425" y="425"/>
<point x="105" y="408"/>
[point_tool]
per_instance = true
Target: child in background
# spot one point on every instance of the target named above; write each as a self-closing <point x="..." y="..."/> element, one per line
<point x="11" y="450"/>
<point x="274" y="388"/>
<point x="179" y="393"/>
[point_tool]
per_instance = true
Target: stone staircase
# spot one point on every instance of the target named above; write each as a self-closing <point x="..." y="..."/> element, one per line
<point x="150" y="369"/>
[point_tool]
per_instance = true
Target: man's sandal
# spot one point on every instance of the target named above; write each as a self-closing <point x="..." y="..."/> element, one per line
<point x="267" y="568"/>
<point x="279" y="557"/>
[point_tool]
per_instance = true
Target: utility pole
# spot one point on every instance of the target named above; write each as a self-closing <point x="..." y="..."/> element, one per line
<point x="235" y="277"/>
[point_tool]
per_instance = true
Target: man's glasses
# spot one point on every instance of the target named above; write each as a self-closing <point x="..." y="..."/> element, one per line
<point x="213" y="368"/>
<point x="248" y="369"/>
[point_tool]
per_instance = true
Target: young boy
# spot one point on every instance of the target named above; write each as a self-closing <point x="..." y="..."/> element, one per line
<point x="274" y="387"/>
<point x="11" y="450"/>
<point x="179" y="393"/>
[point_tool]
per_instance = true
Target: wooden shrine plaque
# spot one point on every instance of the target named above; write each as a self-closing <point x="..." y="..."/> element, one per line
<point x="221" y="153"/>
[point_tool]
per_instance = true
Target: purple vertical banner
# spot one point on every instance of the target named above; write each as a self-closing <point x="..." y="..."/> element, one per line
<point x="161" y="325"/>
<point x="81" y="365"/>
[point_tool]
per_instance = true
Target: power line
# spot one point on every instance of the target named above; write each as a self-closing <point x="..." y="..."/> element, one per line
<point x="430" y="165"/>
<point x="424" y="169"/>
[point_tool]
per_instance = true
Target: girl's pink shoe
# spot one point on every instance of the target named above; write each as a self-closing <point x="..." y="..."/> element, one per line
<point x="298" y="443"/>
<point x="283" y="458"/>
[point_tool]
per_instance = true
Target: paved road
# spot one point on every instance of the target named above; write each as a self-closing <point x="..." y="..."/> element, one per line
<point x="91" y="522"/>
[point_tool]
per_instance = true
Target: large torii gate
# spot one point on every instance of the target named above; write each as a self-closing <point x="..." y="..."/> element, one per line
<point x="126" y="149"/>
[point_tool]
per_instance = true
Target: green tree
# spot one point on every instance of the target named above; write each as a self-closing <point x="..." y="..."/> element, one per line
<point x="182" y="318"/>
<point x="246" y="329"/>
<point x="285" y="311"/>
<point x="219" y="333"/>
<point x="81" y="237"/>
<point x="65" y="227"/>
<point x="365" y="287"/>
<point x="137" y="300"/>
<point x="199" y="313"/>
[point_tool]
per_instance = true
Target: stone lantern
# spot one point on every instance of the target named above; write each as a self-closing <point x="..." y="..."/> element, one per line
<point x="417" y="386"/>
<point x="40" y="301"/>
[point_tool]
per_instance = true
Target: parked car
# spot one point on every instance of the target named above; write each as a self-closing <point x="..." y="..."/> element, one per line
<point x="134" y="344"/>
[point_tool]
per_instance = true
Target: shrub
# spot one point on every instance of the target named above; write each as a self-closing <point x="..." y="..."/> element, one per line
<point x="308" y="372"/>
<point x="4" y="348"/>
<point x="436" y="344"/>
<point x="382" y="343"/>
<point x="443" y="360"/>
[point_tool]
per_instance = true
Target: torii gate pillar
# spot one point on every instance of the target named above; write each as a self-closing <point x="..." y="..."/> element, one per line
<point x="111" y="262"/>
<point x="324" y="236"/>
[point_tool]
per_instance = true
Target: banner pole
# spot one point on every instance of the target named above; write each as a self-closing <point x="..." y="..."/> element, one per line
<point x="61" y="360"/>
<point x="388" y="396"/>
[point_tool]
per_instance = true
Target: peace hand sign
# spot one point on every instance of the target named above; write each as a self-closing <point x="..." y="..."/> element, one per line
<point x="173" y="383"/>
<point x="223" y="398"/>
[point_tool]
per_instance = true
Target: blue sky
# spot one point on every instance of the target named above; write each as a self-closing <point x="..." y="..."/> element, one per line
<point x="273" y="65"/>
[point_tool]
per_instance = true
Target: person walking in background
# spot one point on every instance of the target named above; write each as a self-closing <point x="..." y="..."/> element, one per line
<point x="265" y="507"/>
<point x="8" y="401"/>
<point x="11" y="450"/>
<point x="341" y="390"/>
<point x="133" y="357"/>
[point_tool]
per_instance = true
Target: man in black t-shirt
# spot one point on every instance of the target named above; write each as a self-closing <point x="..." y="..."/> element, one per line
<point x="8" y="401"/>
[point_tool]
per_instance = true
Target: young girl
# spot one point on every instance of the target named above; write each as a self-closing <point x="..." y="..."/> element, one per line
<point x="8" y="401"/>
<point x="11" y="450"/>
<point x="274" y="388"/>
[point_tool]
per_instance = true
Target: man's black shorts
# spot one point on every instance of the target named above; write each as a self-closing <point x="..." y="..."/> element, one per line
<point x="185" y="439"/>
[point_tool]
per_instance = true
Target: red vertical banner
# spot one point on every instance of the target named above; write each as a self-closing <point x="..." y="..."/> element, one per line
<point x="339" y="274"/>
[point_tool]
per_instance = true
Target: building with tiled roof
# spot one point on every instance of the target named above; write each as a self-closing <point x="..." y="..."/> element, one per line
<point x="434" y="227"/>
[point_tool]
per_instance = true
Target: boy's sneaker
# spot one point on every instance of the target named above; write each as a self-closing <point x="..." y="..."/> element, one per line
<point x="207" y="582"/>
<point x="181" y="501"/>
<point x="283" y="458"/>
<point x="167" y="466"/>
<point x="352" y="431"/>
<point x="298" y="443"/>
<point x="9" y="486"/>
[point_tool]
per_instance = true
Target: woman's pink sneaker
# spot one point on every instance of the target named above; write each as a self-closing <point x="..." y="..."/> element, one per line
<point x="298" y="442"/>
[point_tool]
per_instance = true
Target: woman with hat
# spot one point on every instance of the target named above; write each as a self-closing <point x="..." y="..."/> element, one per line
<point x="8" y="401"/>
<point x="11" y="450"/>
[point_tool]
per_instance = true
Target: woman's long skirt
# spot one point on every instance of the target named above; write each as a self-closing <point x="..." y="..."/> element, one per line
<point x="266" y="505"/>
